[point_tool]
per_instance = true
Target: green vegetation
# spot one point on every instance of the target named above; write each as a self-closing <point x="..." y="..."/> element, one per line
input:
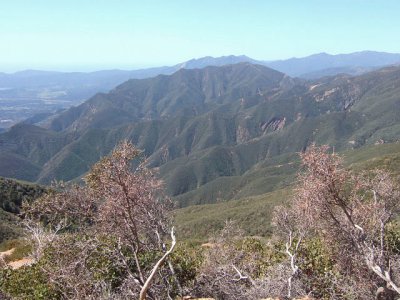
<point x="255" y="250"/>
<point x="12" y="194"/>
<point x="386" y="156"/>
<point x="253" y="214"/>
<point x="9" y="226"/>
<point x="27" y="283"/>
<point x="216" y="134"/>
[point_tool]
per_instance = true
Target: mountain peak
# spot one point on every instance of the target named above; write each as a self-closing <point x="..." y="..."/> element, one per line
<point x="198" y="63"/>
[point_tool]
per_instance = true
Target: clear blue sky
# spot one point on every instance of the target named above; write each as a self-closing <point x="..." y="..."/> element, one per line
<point x="96" y="34"/>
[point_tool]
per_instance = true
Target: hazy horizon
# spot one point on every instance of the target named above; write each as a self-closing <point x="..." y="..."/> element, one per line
<point x="127" y="67"/>
<point x="80" y="36"/>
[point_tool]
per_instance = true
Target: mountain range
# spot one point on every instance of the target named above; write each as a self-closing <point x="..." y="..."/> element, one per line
<point x="295" y="67"/>
<point x="216" y="133"/>
<point x="322" y="64"/>
<point x="33" y="96"/>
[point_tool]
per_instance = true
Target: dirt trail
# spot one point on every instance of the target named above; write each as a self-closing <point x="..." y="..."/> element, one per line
<point x="17" y="263"/>
<point x="20" y="263"/>
<point x="7" y="253"/>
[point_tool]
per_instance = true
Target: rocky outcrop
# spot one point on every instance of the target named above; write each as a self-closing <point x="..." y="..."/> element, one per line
<point x="242" y="134"/>
<point x="273" y="125"/>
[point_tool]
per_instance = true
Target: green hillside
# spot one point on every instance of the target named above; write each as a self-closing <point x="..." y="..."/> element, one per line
<point x="215" y="134"/>
<point x="272" y="183"/>
<point x="254" y="214"/>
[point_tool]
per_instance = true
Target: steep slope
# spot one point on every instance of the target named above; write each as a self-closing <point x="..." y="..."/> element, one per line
<point x="38" y="95"/>
<point x="217" y="133"/>
<point x="186" y="92"/>
<point x="25" y="148"/>
<point x="45" y="93"/>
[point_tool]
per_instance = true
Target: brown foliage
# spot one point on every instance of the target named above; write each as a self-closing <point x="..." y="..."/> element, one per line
<point x="130" y="205"/>
<point x="129" y="208"/>
<point x="236" y="267"/>
<point x="221" y="276"/>
<point x="350" y="213"/>
<point x="70" y="205"/>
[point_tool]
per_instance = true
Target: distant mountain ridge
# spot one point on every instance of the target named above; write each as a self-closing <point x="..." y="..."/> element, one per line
<point x="108" y="79"/>
<point x="317" y="62"/>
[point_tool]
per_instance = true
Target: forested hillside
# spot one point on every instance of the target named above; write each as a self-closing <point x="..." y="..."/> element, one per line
<point x="215" y="134"/>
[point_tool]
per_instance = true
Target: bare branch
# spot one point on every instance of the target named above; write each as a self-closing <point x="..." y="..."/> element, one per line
<point x="146" y="285"/>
